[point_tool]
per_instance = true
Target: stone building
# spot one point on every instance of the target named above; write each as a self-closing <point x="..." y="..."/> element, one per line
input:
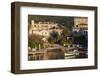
<point x="43" y="28"/>
<point x="80" y="25"/>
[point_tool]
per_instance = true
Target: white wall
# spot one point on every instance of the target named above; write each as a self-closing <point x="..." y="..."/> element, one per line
<point x="5" y="42"/>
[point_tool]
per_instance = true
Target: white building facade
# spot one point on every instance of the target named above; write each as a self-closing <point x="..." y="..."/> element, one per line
<point x="43" y="28"/>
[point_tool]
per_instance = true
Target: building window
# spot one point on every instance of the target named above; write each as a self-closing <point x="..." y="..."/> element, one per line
<point x="34" y="25"/>
<point x="71" y="45"/>
<point x="76" y="25"/>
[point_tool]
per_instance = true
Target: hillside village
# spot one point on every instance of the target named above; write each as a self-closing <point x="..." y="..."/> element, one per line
<point x="52" y="40"/>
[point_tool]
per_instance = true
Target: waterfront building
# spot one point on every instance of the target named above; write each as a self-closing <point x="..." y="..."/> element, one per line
<point x="80" y="25"/>
<point x="43" y="28"/>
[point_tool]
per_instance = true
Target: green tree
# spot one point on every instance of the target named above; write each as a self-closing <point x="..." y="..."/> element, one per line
<point x="54" y="37"/>
<point x="35" y="41"/>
